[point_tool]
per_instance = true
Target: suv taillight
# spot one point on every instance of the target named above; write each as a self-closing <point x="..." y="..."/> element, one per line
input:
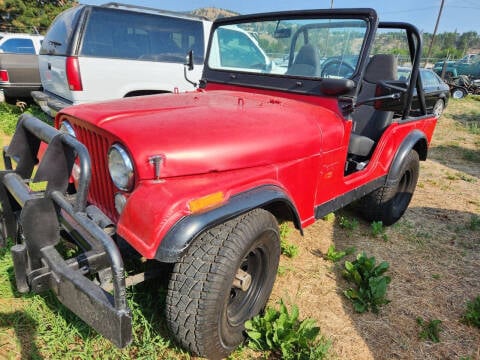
<point x="73" y="74"/>
<point x="4" y="76"/>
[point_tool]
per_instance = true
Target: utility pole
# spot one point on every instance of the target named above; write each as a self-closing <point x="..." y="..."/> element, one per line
<point x="434" y="31"/>
<point x="331" y="4"/>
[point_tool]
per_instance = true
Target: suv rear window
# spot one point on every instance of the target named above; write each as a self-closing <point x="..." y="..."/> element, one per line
<point x="59" y="35"/>
<point x="140" y="36"/>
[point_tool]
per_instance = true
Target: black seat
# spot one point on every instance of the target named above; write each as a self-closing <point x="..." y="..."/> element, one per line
<point x="368" y="123"/>
<point x="306" y="63"/>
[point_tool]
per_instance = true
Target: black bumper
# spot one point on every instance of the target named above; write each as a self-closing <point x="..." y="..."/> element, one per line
<point x="36" y="221"/>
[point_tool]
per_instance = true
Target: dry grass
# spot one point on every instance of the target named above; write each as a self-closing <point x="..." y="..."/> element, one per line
<point x="434" y="261"/>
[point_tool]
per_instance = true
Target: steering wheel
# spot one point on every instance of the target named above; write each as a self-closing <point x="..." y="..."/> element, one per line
<point x="337" y="68"/>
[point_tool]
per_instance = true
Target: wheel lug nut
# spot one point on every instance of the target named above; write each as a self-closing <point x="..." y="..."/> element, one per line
<point x="242" y="280"/>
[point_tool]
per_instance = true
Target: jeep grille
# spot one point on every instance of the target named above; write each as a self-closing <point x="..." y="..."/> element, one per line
<point x="101" y="192"/>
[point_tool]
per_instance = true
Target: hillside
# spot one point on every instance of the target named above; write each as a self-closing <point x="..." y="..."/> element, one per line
<point x="212" y="13"/>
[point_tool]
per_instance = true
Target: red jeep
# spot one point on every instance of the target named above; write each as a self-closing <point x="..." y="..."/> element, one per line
<point x="297" y="115"/>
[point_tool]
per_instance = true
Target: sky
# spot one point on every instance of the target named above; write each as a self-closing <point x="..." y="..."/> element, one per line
<point x="457" y="15"/>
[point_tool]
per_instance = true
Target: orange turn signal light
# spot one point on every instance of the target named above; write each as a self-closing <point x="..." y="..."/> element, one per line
<point x="206" y="202"/>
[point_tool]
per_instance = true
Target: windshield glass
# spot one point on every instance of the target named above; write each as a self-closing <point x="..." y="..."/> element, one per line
<point x="314" y="48"/>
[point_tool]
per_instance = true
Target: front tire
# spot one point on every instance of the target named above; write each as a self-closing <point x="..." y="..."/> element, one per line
<point x="224" y="279"/>
<point x="388" y="203"/>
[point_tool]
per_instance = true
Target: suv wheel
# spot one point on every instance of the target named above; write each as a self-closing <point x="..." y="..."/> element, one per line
<point x="388" y="203"/>
<point x="438" y="108"/>
<point x="224" y="279"/>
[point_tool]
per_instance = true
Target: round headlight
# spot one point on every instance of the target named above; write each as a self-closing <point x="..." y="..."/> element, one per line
<point x="121" y="167"/>
<point x="67" y="128"/>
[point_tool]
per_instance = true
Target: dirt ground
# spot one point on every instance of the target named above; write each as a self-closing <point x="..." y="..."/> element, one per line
<point x="433" y="252"/>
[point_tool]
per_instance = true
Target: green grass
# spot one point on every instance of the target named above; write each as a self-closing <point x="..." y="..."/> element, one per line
<point x="9" y="115"/>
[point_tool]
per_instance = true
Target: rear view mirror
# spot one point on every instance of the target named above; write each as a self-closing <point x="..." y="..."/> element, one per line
<point x="282" y="33"/>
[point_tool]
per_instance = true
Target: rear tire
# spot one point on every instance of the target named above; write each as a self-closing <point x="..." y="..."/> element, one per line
<point x="205" y="310"/>
<point x="388" y="203"/>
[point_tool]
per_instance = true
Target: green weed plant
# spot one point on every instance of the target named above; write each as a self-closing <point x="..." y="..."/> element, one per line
<point x="335" y="256"/>
<point x="370" y="288"/>
<point x="472" y="313"/>
<point x="430" y="330"/>
<point x="286" y="337"/>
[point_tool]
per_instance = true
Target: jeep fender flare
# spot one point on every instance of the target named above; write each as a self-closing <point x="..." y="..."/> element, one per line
<point x="416" y="140"/>
<point x="182" y="234"/>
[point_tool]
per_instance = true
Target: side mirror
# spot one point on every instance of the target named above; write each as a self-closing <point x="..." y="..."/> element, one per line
<point x="189" y="65"/>
<point x="390" y="96"/>
<point x="189" y="61"/>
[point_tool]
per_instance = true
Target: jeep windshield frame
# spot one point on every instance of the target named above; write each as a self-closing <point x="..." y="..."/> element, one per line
<point x="272" y="74"/>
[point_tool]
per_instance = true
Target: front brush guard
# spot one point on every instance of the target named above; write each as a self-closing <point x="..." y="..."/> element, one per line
<point x="34" y="219"/>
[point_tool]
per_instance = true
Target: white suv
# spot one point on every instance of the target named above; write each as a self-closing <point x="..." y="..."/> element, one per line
<point x="94" y="53"/>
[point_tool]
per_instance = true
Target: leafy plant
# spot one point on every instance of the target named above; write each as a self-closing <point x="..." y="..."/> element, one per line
<point x="282" y="333"/>
<point x="430" y="330"/>
<point x="335" y="256"/>
<point x="371" y="284"/>
<point x="287" y="249"/>
<point x="282" y="269"/>
<point x="348" y="224"/>
<point x="378" y="230"/>
<point x="284" y="230"/>
<point x="474" y="223"/>
<point x="329" y="217"/>
<point x="472" y="314"/>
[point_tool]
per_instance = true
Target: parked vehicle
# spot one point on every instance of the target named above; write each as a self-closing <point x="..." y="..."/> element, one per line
<point x="462" y="85"/>
<point x="201" y="179"/>
<point x="469" y="67"/>
<point x="437" y="92"/>
<point x="95" y="53"/>
<point x="19" y="73"/>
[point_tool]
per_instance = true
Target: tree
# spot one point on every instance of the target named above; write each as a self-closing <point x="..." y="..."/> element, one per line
<point x="31" y="15"/>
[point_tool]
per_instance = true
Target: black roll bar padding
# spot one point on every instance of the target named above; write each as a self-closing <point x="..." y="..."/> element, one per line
<point x="27" y="154"/>
<point x="415" y="47"/>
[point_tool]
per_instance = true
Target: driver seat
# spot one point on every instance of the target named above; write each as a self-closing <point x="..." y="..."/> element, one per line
<point x="306" y="63"/>
<point x="368" y="123"/>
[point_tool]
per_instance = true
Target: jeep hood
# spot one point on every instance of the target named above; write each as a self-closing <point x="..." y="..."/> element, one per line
<point x="201" y="132"/>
